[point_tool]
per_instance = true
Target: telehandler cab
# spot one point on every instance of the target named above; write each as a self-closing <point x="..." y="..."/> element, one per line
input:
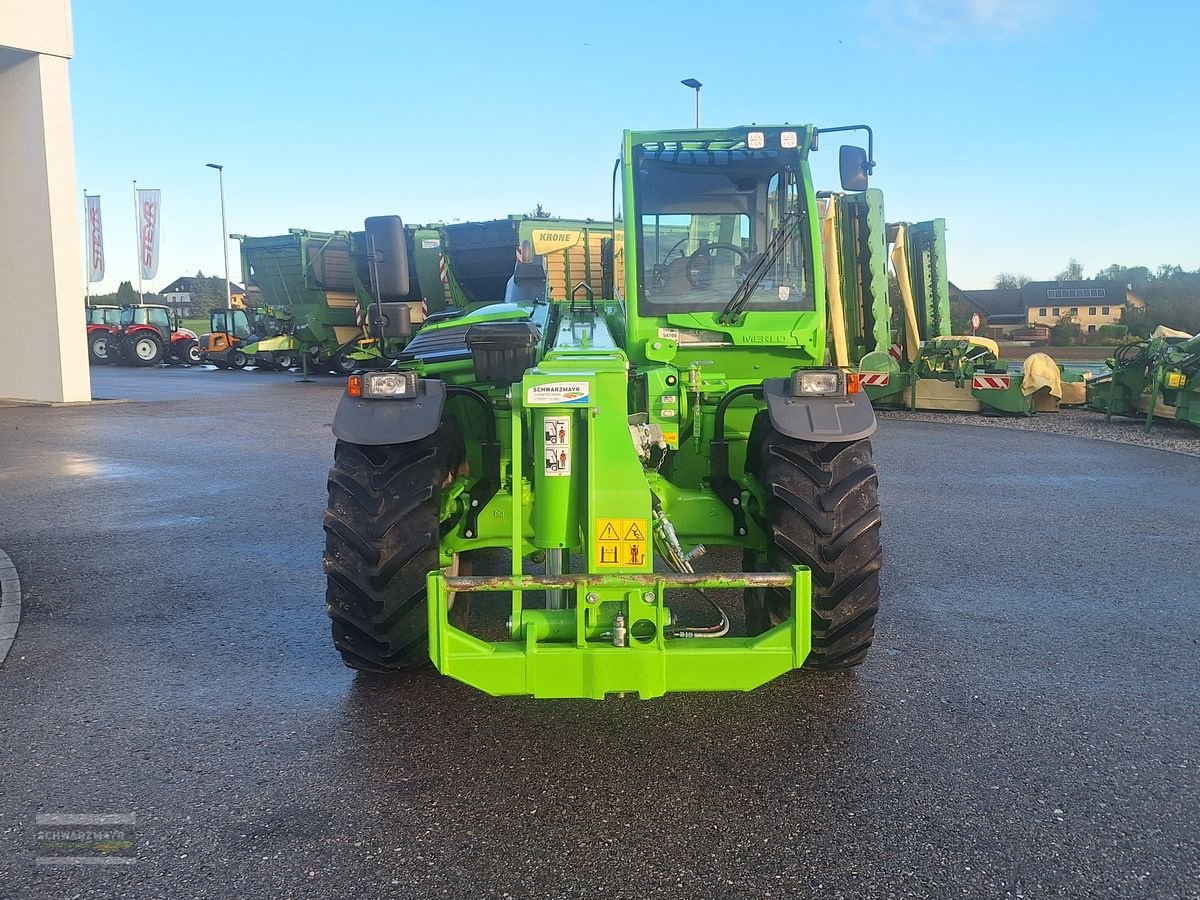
<point x="614" y="439"/>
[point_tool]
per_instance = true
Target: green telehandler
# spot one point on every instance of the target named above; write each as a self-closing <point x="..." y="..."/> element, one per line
<point x="607" y="441"/>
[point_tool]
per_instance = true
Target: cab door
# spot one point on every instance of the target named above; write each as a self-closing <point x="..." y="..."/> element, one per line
<point x="160" y="320"/>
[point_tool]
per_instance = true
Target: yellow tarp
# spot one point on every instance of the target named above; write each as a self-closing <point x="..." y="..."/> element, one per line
<point x="1162" y="331"/>
<point x="1041" y="372"/>
<point x="976" y="341"/>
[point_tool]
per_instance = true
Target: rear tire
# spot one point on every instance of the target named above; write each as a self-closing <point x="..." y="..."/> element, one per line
<point x="145" y="350"/>
<point x="343" y="364"/>
<point x="822" y="512"/>
<point x="284" y="361"/>
<point x="382" y="534"/>
<point x="98" y="350"/>
<point x="237" y="359"/>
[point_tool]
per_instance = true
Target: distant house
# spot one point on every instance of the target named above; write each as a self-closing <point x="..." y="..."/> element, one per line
<point x="178" y="295"/>
<point x="1002" y="310"/>
<point x="1089" y="304"/>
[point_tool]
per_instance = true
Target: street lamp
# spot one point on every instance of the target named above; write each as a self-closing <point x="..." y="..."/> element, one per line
<point x="695" y="86"/>
<point x="224" y="231"/>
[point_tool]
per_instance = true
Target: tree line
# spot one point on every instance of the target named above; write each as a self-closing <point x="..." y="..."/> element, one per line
<point x="208" y="293"/>
<point x="1172" y="294"/>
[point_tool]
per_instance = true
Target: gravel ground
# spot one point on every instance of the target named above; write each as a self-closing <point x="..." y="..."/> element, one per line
<point x="1172" y="436"/>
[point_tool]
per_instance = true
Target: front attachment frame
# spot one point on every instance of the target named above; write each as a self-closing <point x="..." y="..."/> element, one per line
<point x="565" y="653"/>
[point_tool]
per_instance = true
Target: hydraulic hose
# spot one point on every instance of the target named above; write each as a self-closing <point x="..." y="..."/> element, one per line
<point x="680" y="562"/>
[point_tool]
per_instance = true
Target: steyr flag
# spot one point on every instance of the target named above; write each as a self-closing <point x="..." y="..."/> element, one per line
<point x="149" y="231"/>
<point x="95" y="239"/>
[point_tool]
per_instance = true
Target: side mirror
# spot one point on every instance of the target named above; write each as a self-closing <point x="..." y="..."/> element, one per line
<point x="389" y="267"/>
<point x="389" y="320"/>
<point x="854" y="166"/>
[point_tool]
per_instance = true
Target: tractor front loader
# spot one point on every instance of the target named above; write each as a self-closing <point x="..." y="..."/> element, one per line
<point x="608" y="442"/>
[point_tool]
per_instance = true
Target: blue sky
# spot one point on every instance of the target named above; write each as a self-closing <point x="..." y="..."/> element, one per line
<point x="1039" y="130"/>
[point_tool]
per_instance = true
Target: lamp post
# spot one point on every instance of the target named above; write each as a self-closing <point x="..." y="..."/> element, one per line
<point x="695" y="86"/>
<point x="224" y="232"/>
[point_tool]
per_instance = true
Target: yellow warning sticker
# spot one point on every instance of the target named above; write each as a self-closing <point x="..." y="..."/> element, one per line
<point x="622" y="542"/>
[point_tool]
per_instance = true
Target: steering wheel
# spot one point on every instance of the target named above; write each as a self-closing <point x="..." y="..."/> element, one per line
<point x="699" y="264"/>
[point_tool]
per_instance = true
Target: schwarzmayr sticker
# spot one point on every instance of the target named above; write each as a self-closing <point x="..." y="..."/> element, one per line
<point x="557" y="393"/>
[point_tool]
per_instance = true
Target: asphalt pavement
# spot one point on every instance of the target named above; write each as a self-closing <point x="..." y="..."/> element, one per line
<point x="1026" y="725"/>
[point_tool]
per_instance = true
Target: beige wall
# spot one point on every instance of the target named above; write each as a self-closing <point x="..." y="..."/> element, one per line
<point x="43" y="352"/>
<point x="1079" y="310"/>
<point x="38" y="26"/>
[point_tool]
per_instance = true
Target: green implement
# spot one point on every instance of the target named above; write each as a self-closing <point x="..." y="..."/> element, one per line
<point x="1158" y="378"/>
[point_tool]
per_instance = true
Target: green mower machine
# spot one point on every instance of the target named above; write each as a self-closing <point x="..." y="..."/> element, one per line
<point x="607" y="441"/>
<point x="1158" y="378"/>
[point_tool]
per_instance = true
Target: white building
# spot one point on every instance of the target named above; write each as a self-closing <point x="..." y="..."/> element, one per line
<point x="43" y="347"/>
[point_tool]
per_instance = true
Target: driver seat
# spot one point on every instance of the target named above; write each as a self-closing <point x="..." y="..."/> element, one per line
<point x="674" y="280"/>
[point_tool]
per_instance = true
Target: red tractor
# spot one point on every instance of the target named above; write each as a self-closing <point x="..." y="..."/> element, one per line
<point x="100" y="321"/>
<point x="146" y="336"/>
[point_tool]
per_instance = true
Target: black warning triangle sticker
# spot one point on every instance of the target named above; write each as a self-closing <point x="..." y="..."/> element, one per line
<point x="609" y="533"/>
<point x="634" y="533"/>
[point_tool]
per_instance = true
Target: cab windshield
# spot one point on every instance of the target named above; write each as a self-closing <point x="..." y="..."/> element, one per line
<point x="155" y="316"/>
<point x="707" y="217"/>
<point x="230" y="321"/>
<point x="99" y="316"/>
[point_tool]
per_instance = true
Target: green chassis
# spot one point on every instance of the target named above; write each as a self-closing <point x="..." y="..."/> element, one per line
<point x="618" y="360"/>
<point x="555" y="652"/>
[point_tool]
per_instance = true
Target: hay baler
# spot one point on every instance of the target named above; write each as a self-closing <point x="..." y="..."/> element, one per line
<point x="607" y="442"/>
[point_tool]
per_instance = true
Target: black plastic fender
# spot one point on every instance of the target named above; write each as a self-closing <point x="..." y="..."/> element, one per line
<point x="829" y="420"/>
<point x="376" y="422"/>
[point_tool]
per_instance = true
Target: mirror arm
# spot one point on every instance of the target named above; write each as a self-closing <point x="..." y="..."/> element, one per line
<point x="869" y="165"/>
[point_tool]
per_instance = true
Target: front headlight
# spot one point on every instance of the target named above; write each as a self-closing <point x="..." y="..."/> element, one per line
<point x="390" y="384"/>
<point x="816" y="384"/>
<point x="383" y="385"/>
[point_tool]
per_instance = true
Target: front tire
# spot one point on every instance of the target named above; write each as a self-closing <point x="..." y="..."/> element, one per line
<point x="382" y="535"/>
<point x="822" y="511"/>
<point x="237" y="359"/>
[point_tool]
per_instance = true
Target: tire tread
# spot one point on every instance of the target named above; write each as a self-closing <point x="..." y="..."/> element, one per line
<point x="822" y="511"/>
<point x="381" y="539"/>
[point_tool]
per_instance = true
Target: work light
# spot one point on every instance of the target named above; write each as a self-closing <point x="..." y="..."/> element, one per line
<point x="383" y="385"/>
<point x="816" y="384"/>
<point x="390" y="384"/>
